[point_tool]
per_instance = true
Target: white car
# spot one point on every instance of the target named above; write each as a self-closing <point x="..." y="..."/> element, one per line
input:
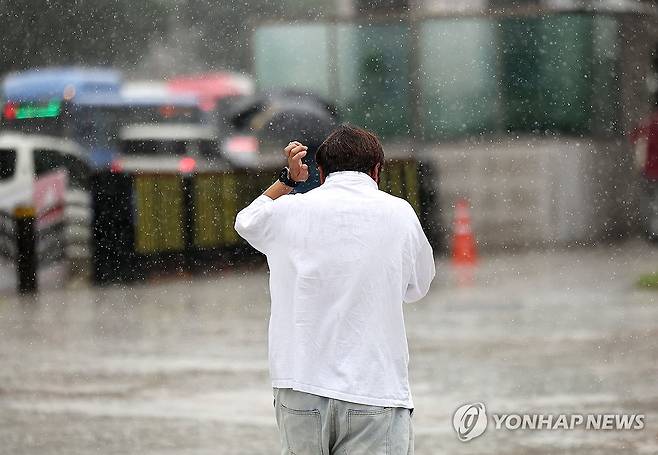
<point x="167" y="147"/>
<point x="24" y="158"/>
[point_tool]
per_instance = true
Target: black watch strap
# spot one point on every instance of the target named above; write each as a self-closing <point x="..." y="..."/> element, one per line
<point x="284" y="177"/>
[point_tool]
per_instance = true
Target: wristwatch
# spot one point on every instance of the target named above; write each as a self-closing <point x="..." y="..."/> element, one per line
<point x="284" y="177"/>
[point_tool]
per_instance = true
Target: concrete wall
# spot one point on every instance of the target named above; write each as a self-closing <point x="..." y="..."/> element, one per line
<point x="482" y="6"/>
<point x="450" y="6"/>
<point x="530" y="192"/>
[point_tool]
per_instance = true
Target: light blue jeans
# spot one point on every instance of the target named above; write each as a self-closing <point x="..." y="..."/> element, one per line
<point x="314" y="425"/>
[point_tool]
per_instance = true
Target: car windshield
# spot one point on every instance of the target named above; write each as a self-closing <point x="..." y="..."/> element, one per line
<point x="7" y="163"/>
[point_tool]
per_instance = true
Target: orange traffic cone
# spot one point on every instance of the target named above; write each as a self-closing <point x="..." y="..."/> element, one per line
<point x="463" y="242"/>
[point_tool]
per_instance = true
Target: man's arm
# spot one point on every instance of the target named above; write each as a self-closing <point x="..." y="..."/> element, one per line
<point x="298" y="171"/>
<point x="254" y="223"/>
<point x="422" y="268"/>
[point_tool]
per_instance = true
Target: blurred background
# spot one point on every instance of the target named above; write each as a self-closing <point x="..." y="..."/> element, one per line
<point x="524" y="133"/>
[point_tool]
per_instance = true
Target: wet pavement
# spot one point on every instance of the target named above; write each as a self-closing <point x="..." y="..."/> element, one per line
<point x="180" y="366"/>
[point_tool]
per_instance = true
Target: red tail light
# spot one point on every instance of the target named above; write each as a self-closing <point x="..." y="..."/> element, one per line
<point x="116" y="167"/>
<point x="9" y="111"/>
<point x="242" y="144"/>
<point x="186" y="165"/>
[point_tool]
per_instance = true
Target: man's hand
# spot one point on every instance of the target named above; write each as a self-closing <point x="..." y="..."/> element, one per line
<point x="295" y="151"/>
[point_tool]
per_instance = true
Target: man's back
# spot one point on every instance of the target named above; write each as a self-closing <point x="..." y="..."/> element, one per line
<point x="345" y="258"/>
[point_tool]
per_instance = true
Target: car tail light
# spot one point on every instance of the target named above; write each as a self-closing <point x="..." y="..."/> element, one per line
<point x="186" y="165"/>
<point x="116" y="166"/>
<point x="241" y="144"/>
<point x="9" y="111"/>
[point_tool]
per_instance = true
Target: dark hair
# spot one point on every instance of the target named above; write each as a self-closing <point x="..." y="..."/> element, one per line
<point x="350" y="148"/>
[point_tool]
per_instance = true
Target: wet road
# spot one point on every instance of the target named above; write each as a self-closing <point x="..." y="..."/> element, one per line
<point x="181" y="366"/>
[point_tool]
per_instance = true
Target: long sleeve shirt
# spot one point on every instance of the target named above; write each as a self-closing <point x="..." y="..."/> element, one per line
<point x="343" y="259"/>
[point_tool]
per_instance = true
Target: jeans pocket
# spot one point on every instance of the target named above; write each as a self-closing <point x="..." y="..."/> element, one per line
<point x="368" y="430"/>
<point x="302" y="430"/>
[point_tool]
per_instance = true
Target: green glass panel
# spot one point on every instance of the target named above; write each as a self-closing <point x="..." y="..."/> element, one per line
<point x="519" y="47"/>
<point x="565" y="60"/>
<point x="606" y="98"/>
<point x="546" y="73"/>
<point x="457" y="72"/>
<point x="293" y="56"/>
<point x="373" y="76"/>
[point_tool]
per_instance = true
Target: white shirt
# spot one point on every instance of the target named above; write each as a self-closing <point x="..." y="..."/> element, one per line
<point x="343" y="258"/>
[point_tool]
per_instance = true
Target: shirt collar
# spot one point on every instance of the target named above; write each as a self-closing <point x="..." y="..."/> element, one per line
<point x="353" y="177"/>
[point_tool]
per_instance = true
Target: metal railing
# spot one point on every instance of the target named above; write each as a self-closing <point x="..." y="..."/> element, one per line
<point x="30" y="243"/>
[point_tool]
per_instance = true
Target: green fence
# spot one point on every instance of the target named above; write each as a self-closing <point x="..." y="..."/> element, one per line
<point x="159" y="222"/>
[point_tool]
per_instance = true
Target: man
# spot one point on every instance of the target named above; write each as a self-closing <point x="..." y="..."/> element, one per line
<point x="343" y="258"/>
<point x="645" y="139"/>
<point x="647" y="131"/>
